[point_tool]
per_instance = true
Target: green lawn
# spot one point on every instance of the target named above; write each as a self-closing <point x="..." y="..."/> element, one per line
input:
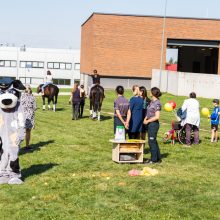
<point x="70" y="174"/>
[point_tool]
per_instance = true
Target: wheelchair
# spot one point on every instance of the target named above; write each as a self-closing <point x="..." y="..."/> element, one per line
<point x="177" y="133"/>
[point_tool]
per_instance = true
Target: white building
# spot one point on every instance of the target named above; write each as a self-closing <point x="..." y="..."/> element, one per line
<point x="30" y="65"/>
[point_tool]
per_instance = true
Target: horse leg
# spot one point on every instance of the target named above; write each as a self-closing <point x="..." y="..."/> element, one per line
<point x="95" y="108"/>
<point x="99" y="110"/>
<point x="49" y="100"/>
<point x="55" y="102"/>
<point x="54" y="105"/>
<point x="43" y="98"/>
<point x="90" y="108"/>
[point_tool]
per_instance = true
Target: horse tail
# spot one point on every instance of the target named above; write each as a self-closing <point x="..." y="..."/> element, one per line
<point x="56" y="96"/>
<point x="98" y="98"/>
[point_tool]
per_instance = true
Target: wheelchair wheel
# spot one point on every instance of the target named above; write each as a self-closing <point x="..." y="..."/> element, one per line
<point x="182" y="136"/>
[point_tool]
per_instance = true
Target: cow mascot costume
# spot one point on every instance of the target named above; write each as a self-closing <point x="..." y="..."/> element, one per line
<point x="12" y="130"/>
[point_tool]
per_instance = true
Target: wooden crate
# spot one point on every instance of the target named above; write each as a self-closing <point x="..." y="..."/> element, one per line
<point x="123" y="150"/>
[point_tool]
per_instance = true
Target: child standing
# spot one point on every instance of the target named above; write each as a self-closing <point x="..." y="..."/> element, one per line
<point x="215" y="120"/>
<point x="121" y="109"/>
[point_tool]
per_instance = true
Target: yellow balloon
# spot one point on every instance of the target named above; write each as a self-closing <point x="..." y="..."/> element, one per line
<point x="168" y="107"/>
<point x="205" y="112"/>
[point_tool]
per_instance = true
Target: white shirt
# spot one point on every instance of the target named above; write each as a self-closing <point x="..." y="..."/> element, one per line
<point x="49" y="78"/>
<point x="192" y="112"/>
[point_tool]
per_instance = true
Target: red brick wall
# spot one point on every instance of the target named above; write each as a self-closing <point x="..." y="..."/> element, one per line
<point x="86" y="53"/>
<point x="131" y="45"/>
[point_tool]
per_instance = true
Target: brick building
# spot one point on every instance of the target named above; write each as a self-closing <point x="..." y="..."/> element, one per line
<point x="125" y="48"/>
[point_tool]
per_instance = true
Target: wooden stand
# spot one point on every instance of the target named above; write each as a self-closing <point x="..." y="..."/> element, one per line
<point x="128" y="151"/>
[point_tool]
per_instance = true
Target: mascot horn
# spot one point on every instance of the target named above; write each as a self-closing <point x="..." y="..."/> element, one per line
<point x="12" y="130"/>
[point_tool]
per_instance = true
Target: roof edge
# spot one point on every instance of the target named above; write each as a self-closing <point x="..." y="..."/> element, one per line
<point x="154" y="16"/>
<point x="89" y="18"/>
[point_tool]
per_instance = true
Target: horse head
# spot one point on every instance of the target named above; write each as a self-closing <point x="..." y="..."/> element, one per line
<point x="39" y="88"/>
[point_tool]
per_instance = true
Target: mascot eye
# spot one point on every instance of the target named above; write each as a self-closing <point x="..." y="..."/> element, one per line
<point x="1" y="92"/>
<point x="12" y="91"/>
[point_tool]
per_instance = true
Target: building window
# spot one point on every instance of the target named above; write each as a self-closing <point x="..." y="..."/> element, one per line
<point x="31" y="80"/>
<point x="50" y="65"/>
<point x="57" y="65"/>
<point x="13" y="63"/>
<point x="41" y="64"/>
<point x="65" y="82"/>
<point x="62" y="66"/>
<point x="77" y="66"/>
<point x="8" y="63"/>
<point x="2" y="77"/>
<point x="68" y="66"/>
<point x="31" y="64"/>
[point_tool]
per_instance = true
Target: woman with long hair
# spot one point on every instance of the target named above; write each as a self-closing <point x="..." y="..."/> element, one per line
<point x="152" y="122"/>
<point x="136" y="120"/>
<point x="146" y="101"/>
<point x="75" y="100"/>
<point x="28" y="102"/>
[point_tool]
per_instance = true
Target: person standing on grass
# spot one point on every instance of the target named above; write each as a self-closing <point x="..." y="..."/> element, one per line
<point x="192" y="120"/>
<point x="152" y="122"/>
<point x="75" y="100"/>
<point x="121" y="109"/>
<point x="82" y="101"/>
<point x="28" y="103"/>
<point x="136" y="108"/>
<point x="215" y="120"/>
<point x="143" y="94"/>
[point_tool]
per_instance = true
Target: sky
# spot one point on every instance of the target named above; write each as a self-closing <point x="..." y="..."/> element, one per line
<point x="57" y="23"/>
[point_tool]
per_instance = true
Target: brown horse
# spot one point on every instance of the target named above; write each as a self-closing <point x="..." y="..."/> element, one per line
<point x="51" y="93"/>
<point x="96" y="98"/>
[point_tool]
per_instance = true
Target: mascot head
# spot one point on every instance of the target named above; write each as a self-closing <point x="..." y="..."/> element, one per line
<point x="10" y="92"/>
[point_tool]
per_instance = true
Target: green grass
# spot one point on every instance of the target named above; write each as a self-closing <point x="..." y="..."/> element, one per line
<point x="70" y="174"/>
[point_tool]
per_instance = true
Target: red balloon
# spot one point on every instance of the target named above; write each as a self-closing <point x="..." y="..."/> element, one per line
<point x="173" y="104"/>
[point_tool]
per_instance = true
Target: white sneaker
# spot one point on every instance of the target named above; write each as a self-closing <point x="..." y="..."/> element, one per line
<point x="15" y="180"/>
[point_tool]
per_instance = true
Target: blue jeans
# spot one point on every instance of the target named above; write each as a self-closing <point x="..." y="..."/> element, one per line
<point x="153" y="128"/>
<point x="47" y="83"/>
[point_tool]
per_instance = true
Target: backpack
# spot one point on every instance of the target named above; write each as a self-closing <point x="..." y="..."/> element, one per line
<point x="181" y="114"/>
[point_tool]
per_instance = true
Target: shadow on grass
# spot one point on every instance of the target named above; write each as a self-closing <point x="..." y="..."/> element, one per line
<point x="51" y="109"/>
<point x="59" y="109"/>
<point x="104" y="118"/>
<point x="165" y="155"/>
<point x="37" y="169"/>
<point x="35" y="147"/>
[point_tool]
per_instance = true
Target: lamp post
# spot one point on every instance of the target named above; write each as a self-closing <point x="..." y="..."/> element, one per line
<point x="17" y="70"/>
<point x="162" y="43"/>
<point x="19" y="49"/>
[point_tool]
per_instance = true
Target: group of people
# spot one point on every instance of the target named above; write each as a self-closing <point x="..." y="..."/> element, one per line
<point x="139" y="115"/>
<point x="77" y="99"/>
<point x="191" y="121"/>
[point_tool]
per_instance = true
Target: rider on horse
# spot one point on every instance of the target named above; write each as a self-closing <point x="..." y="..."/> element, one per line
<point x="95" y="83"/>
<point x="49" y="80"/>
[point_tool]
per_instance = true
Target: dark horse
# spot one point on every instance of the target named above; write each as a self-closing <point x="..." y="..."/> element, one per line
<point x="96" y="98"/>
<point x="51" y="93"/>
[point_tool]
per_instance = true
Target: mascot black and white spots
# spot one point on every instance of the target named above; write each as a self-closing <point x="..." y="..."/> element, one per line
<point x="12" y="130"/>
